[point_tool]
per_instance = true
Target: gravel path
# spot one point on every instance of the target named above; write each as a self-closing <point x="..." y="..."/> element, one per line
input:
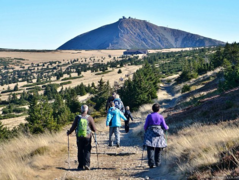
<point x="117" y="163"/>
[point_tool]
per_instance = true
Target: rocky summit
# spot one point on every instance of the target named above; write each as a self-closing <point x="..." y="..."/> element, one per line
<point x="131" y="33"/>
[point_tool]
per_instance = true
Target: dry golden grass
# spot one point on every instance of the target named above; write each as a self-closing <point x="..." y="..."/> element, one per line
<point x="38" y="57"/>
<point x="192" y="146"/>
<point x="33" y="157"/>
<point x="198" y="145"/>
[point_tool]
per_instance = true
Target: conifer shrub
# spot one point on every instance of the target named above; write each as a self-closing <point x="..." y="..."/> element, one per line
<point x="119" y="71"/>
<point x="185" y="88"/>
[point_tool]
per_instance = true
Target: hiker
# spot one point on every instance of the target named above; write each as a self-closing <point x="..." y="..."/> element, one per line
<point x="83" y="125"/>
<point x="154" y="136"/>
<point x="119" y="104"/>
<point x="114" y="122"/>
<point x="111" y="98"/>
<point x="128" y="115"/>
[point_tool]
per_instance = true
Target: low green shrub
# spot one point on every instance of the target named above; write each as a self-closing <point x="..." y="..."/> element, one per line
<point x="185" y="88"/>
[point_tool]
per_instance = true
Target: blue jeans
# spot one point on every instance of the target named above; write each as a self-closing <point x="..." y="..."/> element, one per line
<point x="116" y="131"/>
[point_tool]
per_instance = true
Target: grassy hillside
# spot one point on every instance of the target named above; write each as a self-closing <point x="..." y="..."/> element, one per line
<point x="203" y="136"/>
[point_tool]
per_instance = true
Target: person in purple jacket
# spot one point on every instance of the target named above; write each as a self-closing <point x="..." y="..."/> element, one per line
<point x="154" y="136"/>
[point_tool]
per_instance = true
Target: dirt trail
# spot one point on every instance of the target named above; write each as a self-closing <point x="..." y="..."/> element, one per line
<point x="117" y="163"/>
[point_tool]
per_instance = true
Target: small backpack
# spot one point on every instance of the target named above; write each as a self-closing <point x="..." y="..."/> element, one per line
<point x="83" y="129"/>
<point x="119" y="105"/>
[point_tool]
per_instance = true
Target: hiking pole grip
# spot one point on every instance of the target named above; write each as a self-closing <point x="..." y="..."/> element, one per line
<point x="95" y="139"/>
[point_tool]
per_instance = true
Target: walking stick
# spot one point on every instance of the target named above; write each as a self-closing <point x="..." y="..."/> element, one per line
<point x="142" y="156"/>
<point x="166" y="147"/>
<point x="96" y="149"/>
<point x="68" y="153"/>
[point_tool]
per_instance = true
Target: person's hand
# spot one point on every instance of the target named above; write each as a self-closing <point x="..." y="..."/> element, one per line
<point x="67" y="132"/>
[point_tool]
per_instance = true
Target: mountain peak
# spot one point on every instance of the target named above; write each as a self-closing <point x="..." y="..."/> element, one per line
<point x="132" y="33"/>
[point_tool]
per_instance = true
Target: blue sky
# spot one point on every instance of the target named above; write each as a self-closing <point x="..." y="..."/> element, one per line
<point x="47" y="24"/>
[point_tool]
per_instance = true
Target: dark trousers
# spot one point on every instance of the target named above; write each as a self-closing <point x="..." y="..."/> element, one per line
<point x="154" y="156"/>
<point x="126" y="127"/>
<point x="84" y="148"/>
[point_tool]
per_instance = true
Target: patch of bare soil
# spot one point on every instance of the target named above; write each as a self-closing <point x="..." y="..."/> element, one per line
<point x="13" y="122"/>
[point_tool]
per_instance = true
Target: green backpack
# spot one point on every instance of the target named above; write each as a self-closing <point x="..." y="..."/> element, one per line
<point x="83" y="129"/>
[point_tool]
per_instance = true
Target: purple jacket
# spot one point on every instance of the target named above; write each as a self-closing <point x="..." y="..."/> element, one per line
<point x="155" y="119"/>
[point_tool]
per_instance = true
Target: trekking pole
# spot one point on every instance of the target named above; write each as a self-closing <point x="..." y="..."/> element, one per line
<point x="68" y="153"/>
<point x="142" y="156"/>
<point x="166" y="147"/>
<point x="96" y="149"/>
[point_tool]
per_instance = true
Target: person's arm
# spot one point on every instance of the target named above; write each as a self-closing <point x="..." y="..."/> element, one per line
<point x="108" y="118"/>
<point x="130" y="116"/>
<point x="122" y="116"/>
<point x="92" y="124"/>
<point x="146" y="123"/>
<point x="164" y="125"/>
<point x="123" y="108"/>
<point x="74" y="125"/>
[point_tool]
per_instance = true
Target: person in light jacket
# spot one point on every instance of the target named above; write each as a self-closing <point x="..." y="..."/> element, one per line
<point x="113" y="120"/>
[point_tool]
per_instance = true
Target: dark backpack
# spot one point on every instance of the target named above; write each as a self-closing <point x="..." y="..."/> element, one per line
<point x="119" y="105"/>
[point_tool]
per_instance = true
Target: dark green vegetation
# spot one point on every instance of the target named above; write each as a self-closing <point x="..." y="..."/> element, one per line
<point x="69" y="78"/>
<point x="229" y="58"/>
<point x="5" y="62"/>
<point x="141" y="89"/>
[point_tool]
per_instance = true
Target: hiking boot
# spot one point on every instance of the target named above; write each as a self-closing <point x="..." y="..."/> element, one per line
<point x="87" y="167"/>
<point x="157" y="165"/>
<point x="110" y="145"/>
<point x="118" y="145"/>
<point x="79" y="168"/>
<point x="151" y="166"/>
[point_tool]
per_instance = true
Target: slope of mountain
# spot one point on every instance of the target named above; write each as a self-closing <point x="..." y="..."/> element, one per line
<point x="136" y="34"/>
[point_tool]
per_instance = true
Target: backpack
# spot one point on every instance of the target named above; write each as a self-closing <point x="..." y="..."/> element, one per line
<point x="119" y="105"/>
<point x="83" y="129"/>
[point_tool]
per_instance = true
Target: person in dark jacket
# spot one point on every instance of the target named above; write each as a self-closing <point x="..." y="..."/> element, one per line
<point x="111" y="98"/>
<point x="154" y="136"/>
<point x="128" y="115"/>
<point x="114" y="115"/>
<point x="83" y="141"/>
